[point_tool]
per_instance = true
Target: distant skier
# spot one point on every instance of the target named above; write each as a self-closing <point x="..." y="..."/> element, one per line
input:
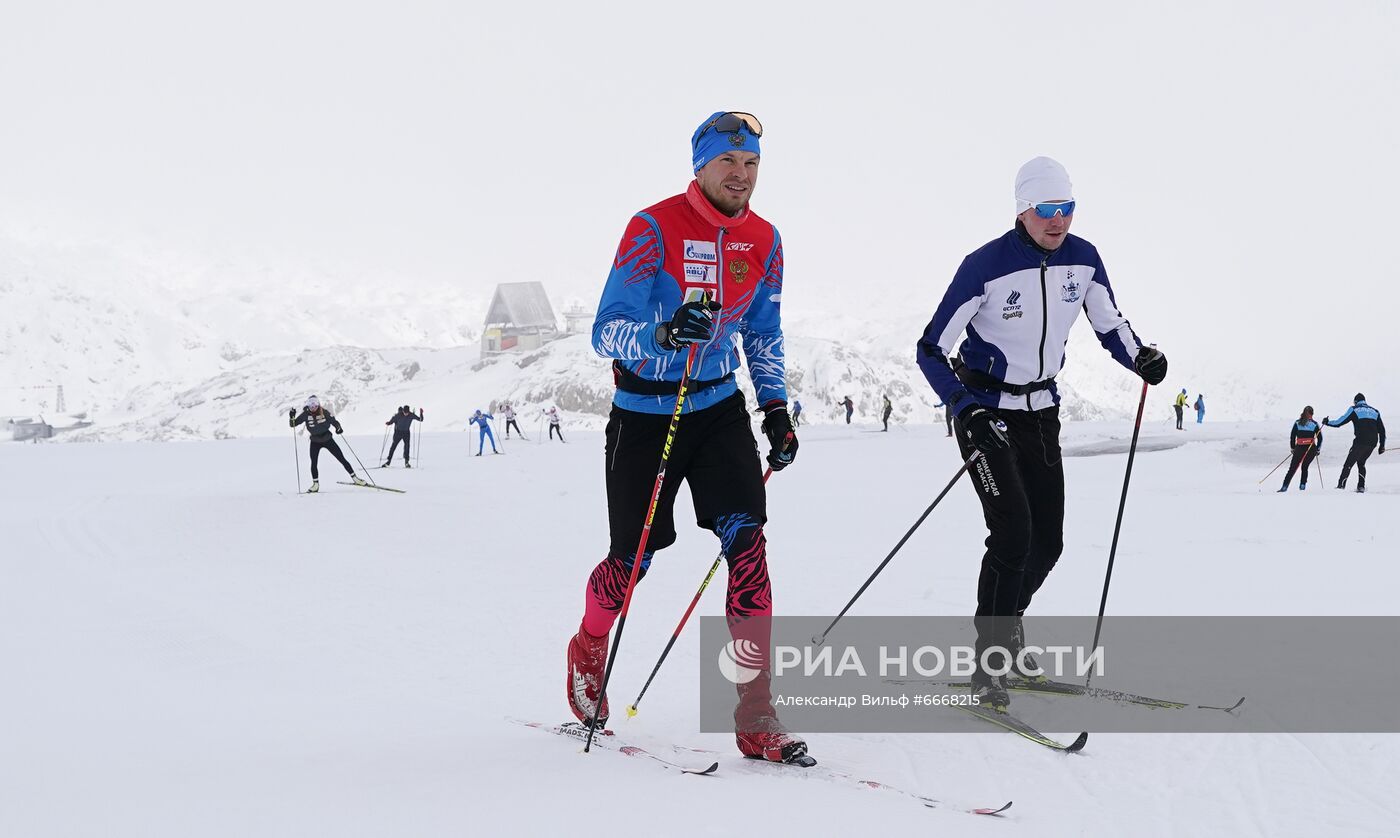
<point x="483" y="421"/>
<point x="403" y="424"/>
<point x="885" y="413"/>
<point x="1369" y="430"/>
<point x="1200" y="408"/>
<point x="796" y="413"/>
<point x="1002" y="388"/>
<point x="947" y="416"/>
<point x="318" y="424"/>
<point x="1305" y="441"/>
<point x="509" y="413"/>
<point x="1179" y="405"/>
<point x="850" y="408"/>
<point x="553" y="416"/>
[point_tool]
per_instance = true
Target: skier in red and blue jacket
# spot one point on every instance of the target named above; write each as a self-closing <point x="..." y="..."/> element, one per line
<point x="695" y="271"/>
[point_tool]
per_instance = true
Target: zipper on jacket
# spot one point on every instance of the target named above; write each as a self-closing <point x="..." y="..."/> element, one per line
<point x="1044" y="319"/>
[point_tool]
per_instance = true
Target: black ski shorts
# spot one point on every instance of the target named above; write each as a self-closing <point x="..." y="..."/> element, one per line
<point x="714" y="453"/>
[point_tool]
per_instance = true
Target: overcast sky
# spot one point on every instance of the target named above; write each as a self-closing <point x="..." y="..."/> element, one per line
<point x="1235" y="163"/>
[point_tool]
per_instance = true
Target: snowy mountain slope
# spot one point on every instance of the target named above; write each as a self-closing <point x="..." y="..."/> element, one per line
<point x="200" y="651"/>
<point x="141" y="343"/>
<point x="104" y="322"/>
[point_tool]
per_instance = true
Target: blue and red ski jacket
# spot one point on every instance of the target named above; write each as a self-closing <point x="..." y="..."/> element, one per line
<point x="673" y="252"/>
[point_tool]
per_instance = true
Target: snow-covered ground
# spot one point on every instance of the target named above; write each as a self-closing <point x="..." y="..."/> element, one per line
<point x="191" y="648"/>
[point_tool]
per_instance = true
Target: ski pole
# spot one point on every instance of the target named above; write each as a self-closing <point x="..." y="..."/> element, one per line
<point x="821" y="638"/>
<point x="383" y="442"/>
<point x="418" y="457"/>
<point x="642" y="544"/>
<point x="632" y="708"/>
<point x="1275" y="468"/>
<point x="357" y="459"/>
<point x="296" y="453"/>
<point x="1113" y="547"/>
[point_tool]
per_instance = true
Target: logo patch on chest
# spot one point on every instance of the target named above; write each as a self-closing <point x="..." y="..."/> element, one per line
<point x="700" y="251"/>
<point x="739" y="269"/>
<point x="708" y="274"/>
<point x="1069" y="292"/>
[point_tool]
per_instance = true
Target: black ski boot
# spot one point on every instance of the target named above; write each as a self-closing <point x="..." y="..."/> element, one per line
<point x="990" y="691"/>
<point x="1023" y="666"/>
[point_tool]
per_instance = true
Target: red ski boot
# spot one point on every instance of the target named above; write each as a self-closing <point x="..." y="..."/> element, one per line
<point x="757" y="730"/>
<point x="587" y="657"/>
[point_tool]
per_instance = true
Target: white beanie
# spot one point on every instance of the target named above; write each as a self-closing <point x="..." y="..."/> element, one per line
<point x="1041" y="179"/>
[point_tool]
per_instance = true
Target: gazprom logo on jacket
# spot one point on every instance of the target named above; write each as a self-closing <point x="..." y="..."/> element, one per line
<point x="700" y="251"/>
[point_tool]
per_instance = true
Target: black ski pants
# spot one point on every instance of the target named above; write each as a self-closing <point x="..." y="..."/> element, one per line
<point x="556" y="429"/>
<point x="886" y="419"/>
<point x="1177" y="408"/>
<point x="329" y="444"/>
<point x="1302" y="455"/>
<point x="510" y="423"/>
<point x="1022" y="489"/>
<point x="406" y="440"/>
<point x="1358" y="455"/>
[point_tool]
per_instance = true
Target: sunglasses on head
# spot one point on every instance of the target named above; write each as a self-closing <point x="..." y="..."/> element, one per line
<point x="731" y="122"/>
<point x="1050" y="209"/>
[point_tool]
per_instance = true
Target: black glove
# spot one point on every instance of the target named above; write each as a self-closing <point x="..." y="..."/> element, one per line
<point x="340" y="430"/>
<point x="1151" y="364"/>
<point x="1326" y="419"/>
<point x="782" y="439"/>
<point x="983" y="429"/>
<point x="693" y="322"/>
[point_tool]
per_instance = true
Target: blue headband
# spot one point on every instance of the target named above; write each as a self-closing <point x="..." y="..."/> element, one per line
<point x="706" y="143"/>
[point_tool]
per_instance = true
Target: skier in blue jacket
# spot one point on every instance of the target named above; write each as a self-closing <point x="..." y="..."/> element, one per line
<point x="1016" y="299"/>
<point x="1369" y="430"/>
<point x="1305" y="441"/>
<point x="483" y="421"/>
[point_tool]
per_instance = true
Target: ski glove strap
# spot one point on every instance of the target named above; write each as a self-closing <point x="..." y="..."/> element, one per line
<point x="782" y="439"/>
<point x="693" y="322"/>
<point x="1151" y="364"/>
<point x="983" y="429"/>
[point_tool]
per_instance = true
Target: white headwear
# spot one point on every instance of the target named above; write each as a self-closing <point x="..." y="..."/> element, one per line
<point x="1041" y="179"/>
<point x="312" y="402"/>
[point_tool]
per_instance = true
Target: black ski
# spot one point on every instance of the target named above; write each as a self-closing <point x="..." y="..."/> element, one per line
<point x="1009" y="722"/>
<point x="609" y="741"/>
<point x="371" y="486"/>
<point x="1049" y="687"/>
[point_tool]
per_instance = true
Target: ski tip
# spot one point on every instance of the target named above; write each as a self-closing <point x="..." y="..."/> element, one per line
<point x="1232" y="708"/>
<point x="1078" y="744"/>
<point x="714" y="766"/>
<point x="996" y="811"/>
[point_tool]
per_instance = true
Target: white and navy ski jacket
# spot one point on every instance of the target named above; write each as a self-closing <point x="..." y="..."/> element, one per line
<point x="1017" y="302"/>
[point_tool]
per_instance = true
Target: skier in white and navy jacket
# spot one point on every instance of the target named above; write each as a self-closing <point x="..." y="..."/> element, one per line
<point x="1016" y="298"/>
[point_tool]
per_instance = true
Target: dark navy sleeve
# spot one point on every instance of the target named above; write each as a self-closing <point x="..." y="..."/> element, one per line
<point x="1346" y="417"/>
<point x="961" y="301"/>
